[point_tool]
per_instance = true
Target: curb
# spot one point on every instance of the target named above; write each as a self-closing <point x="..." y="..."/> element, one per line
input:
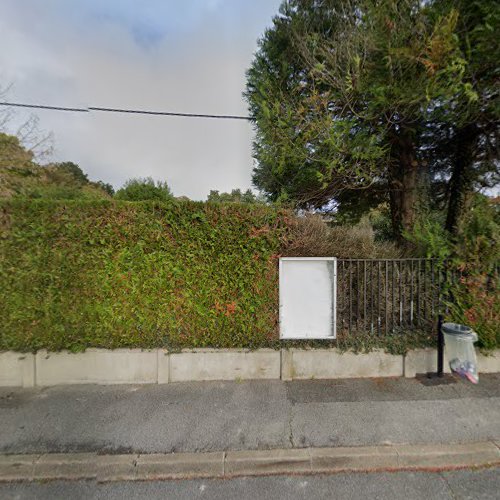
<point x="138" y="467"/>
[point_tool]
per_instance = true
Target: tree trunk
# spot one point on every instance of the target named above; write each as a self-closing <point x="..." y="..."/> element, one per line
<point x="462" y="177"/>
<point x="404" y="178"/>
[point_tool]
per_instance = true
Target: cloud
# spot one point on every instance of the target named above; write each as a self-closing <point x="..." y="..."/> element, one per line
<point x="188" y="56"/>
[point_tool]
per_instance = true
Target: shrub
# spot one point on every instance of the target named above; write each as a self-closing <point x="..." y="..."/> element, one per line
<point x="476" y="303"/>
<point x="77" y="274"/>
<point x="113" y="274"/>
<point x="473" y="255"/>
<point x="144" y="190"/>
<point x="310" y="236"/>
<point x="478" y="246"/>
<point x="429" y="239"/>
<point x="65" y="192"/>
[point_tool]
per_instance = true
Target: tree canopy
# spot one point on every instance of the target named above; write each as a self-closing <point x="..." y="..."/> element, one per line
<point x="22" y="177"/>
<point x="235" y="196"/>
<point x="141" y="189"/>
<point x="342" y="93"/>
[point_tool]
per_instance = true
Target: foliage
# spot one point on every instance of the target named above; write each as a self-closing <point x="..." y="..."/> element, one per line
<point x="476" y="303"/>
<point x="338" y="91"/>
<point x="68" y="168"/>
<point x="25" y="128"/>
<point x="475" y="298"/>
<point x="478" y="248"/>
<point x="22" y="177"/>
<point x="106" y="187"/>
<point x="461" y="137"/>
<point x="107" y="273"/>
<point x="12" y="152"/>
<point x="144" y="190"/>
<point x="352" y="206"/>
<point x="380" y="220"/>
<point x="472" y="263"/>
<point x="476" y="30"/>
<point x="428" y="237"/>
<point x="235" y="196"/>
<point x="309" y="236"/>
<point x="112" y="274"/>
<point x="65" y="192"/>
<point x="16" y="165"/>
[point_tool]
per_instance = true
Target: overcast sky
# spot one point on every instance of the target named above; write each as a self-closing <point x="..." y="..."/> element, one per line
<point x="175" y="55"/>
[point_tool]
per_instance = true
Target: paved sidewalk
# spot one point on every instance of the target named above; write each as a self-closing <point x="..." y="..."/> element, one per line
<point x="221" y="416"/>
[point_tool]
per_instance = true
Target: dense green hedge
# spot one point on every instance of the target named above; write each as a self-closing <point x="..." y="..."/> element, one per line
<point x="118" y="274"/>
<point x="78" y="274"/>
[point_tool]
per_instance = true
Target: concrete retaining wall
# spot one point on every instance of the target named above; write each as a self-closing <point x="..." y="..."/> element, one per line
<point x="224" y="364"/>
<point x="97" y="366"/>
<point x="136" y="366"/>
<point x="425" y="361"/>
<point x="17" y="369"/>
<point x="489" y="364"/>
<point x="331" y="363"/>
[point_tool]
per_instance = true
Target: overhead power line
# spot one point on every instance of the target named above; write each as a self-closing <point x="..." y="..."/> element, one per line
<point x="42" y="106"/>
<point x="119" y="110"/>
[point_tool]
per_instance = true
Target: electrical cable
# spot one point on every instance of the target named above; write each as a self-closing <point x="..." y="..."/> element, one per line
<point x="120" y="110"/>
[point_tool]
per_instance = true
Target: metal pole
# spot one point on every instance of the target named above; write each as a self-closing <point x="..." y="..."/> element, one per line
<point x="440" y="347"/>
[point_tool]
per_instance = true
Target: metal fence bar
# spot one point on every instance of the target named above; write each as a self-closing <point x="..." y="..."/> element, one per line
<point x="350" y="298"/>
<point x="364" y="294"/>
<point x="379" y="319"/>
<point x="433" y="286"/>
<point x="393" y="294"/>
<point x="358" y="298"/>
<point x="418" y="293"/>
<point x="389" y="295"/>
<point x="386" y="293"/>
<point x="372" y="308"/>
<point x="401" y="296"/>
<point x="425" y="288"/>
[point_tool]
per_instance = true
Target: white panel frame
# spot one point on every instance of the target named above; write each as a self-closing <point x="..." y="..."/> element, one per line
<point x="333" y="334"/>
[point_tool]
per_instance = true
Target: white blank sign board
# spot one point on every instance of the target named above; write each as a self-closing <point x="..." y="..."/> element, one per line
<point x="308" y="297"/>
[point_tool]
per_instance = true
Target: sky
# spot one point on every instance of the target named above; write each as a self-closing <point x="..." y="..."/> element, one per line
<point x="173" y="55"/>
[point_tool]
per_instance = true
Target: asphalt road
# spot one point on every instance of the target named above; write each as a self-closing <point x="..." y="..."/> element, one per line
<point x="211" y="416"/>
<point x="456" y="485"/>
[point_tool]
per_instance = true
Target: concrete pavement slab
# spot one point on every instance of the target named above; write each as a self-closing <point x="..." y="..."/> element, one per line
<point x="218" y="416"/>
<point x="386" y="422"/>
<point x="356" y="390"/>
<point x="185" y="417"/>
